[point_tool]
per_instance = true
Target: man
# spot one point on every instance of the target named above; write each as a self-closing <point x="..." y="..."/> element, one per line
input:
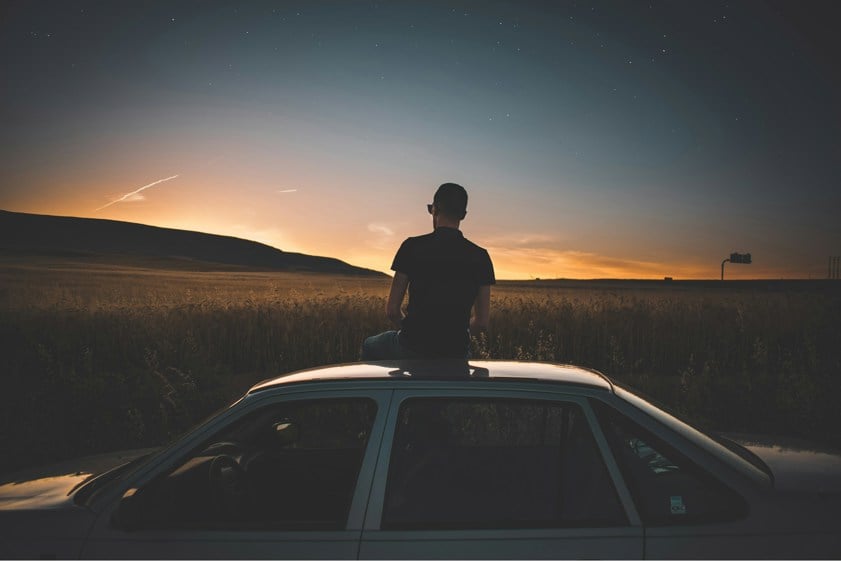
<point x="447" y="277"/>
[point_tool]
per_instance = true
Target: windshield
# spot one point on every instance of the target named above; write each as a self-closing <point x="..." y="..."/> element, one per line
<point x="695" y="436"/>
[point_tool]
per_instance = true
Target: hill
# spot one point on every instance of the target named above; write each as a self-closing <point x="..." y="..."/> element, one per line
<point x="98" y="240"/>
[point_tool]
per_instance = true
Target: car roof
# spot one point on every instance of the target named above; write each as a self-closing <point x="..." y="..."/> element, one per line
<point x="443" y="369"/>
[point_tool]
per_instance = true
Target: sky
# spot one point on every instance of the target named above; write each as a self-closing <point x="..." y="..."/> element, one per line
<point x="596" y="139"/>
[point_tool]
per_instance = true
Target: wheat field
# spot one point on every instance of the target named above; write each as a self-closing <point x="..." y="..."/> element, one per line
<point x="103" y="357"/>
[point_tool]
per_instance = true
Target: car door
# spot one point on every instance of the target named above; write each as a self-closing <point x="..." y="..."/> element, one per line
<point x="490" y="474"/>
<point x="288" y="478"/>
<point x="689" y="512"/>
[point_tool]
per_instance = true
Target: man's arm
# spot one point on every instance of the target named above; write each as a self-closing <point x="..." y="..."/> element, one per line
<point x="393" y="308"/>
<point x="481" y="310"/>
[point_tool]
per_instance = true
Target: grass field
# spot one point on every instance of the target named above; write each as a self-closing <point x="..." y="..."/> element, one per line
<point x="101" y="357"/>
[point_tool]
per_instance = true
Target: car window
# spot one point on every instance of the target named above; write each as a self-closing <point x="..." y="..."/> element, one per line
<point x="290" y="465"/>
<point x="748" y="467"/>
<point x="496" y="463"/>
<point x="667" y="487"/>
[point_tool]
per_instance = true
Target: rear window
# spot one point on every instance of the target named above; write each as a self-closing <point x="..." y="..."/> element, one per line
<point x="760" y="474"/>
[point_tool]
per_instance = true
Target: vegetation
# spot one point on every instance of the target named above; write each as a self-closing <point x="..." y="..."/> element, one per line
<point x="103" y="357"/>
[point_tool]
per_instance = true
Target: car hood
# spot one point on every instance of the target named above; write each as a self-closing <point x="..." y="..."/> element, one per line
<point x="797" y="465"/>
<point x="53" y="486"/>
<point x="46" y="492"/>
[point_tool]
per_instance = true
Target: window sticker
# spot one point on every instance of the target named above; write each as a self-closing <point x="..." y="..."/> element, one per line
<point x="677" y="505"/>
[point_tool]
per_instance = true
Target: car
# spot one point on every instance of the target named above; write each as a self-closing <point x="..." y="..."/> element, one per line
<point x="432" y="459"/>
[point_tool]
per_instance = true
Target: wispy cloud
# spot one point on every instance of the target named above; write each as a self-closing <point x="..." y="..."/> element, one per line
<point x="381" y="229"/>
<point x="522" y="239"/>
<point x="135" y="195"/>
<point x="381" y="236"/>
<point x="288" y="191"/>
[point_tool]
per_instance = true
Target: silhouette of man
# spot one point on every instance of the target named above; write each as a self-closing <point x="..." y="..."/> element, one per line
<point x="447" y="277"/>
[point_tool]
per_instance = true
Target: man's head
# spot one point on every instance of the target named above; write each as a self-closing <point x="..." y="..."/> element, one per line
<point x="451" y="201"/>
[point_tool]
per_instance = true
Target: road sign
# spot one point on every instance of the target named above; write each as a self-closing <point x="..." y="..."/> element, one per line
<point x="740" y="258"/>
<point x="743" y="258"/>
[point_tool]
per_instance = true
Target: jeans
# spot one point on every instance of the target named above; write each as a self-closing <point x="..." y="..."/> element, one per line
<point x="385" y="346"/>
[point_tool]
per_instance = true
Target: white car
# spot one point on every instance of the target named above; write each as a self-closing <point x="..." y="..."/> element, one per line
<point x="435" y="459"/>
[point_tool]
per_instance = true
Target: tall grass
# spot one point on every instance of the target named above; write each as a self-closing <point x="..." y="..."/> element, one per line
<point x="118" y="358"/>
<point x="731" y="360"/>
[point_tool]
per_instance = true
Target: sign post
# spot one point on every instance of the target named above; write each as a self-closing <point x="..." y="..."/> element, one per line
<point x="743" y="258"/>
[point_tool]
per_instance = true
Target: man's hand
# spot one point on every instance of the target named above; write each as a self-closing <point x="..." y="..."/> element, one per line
<point x="481" y="310"/>
<point x="393" y="307"/>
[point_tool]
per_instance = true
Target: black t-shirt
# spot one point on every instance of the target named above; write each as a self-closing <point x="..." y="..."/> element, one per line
<point x="445" y="272"/>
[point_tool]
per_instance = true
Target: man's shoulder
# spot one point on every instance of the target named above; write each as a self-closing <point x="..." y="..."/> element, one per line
<point x="420" y="238"/>
<point x="415" y="242"/>
<point x="476" y="250"/>
<point x="474" y="246"/>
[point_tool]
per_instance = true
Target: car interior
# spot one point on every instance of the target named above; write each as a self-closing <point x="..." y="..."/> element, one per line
<point x="292" y="466"/>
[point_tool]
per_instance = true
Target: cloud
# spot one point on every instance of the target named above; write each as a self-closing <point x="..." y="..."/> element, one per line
<point x="135" y="195"/>
<point x="382" y="237"/>
<point x="288" y="191"/>
<point x="381" y="229"/>
<point x="523" y="239"/>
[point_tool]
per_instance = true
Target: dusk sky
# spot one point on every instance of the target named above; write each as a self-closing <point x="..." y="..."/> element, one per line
<point x="604" y="139"/>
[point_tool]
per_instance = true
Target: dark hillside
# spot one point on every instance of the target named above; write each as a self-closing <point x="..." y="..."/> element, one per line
<point x="86" y="237"/>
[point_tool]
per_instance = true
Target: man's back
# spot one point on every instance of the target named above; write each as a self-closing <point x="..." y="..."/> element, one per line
<point x="445" y="272"/>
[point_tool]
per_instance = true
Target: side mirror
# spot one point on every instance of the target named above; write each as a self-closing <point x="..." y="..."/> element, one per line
<point x="286" y="432"/>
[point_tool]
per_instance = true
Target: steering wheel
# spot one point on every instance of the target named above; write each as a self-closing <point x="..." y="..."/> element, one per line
<point x="229" y="448"/>
<point x="229" y="488"/>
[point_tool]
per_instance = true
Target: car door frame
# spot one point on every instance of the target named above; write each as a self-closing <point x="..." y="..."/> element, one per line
<point x="109" y="541"/>
<point x="500" y="543"/>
